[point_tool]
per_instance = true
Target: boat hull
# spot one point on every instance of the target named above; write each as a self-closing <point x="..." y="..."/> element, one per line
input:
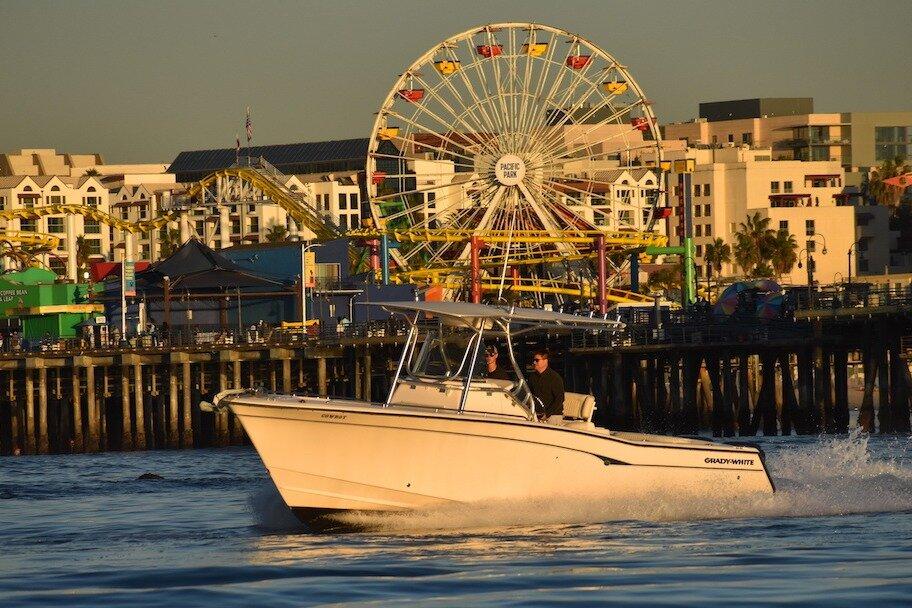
<point x="345" y="455"/>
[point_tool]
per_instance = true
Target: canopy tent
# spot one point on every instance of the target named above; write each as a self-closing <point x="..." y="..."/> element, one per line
<point x="196" y="267"/>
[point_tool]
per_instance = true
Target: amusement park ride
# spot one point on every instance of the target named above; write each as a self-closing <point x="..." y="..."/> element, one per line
<point x="515" y="128"/>
<point x="491" y="174"/>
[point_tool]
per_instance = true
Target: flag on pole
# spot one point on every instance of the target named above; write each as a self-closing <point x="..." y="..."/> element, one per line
<point x="237" y="149"/>
<point x="249" y="127"/>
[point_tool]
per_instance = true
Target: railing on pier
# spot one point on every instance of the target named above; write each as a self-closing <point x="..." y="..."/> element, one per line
<point x="204" y="336"/>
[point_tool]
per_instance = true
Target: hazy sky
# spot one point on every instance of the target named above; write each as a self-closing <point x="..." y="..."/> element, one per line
<point x="141" y="81"/>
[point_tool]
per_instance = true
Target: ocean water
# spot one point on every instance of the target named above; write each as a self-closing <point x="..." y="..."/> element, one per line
<point x="83" y="530"/>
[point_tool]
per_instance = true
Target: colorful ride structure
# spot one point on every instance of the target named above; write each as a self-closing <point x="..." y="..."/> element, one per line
<point x="509" y="143"/>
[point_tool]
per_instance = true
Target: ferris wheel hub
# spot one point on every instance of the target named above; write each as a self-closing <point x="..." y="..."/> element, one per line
<point x="510" y="170"/>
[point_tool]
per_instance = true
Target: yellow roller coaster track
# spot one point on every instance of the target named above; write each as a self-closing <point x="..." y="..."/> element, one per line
<point x="272" y="187"/>
<point x="30" y="238"/>
<point x="614" y="240"/>
<point x="453" y="275"/>
<point x="89" y="212"/>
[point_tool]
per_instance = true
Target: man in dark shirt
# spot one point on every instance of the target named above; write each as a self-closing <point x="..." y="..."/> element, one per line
<point x="546" y="385"/>
<point x="493" y="370"/>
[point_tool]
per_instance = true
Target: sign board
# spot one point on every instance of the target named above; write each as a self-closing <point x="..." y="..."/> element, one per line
<point x="310" y="269"/>
<point x="129" y="279"/>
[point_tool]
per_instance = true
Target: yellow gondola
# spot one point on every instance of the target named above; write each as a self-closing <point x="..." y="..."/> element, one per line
<point x="615" y="87"/>
<point x="536" y="49"/>
<point x="446" y="67"/>
<point x="388" y="133"/>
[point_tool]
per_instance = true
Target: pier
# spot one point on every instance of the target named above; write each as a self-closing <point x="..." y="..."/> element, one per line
<point x="680" y="374"/>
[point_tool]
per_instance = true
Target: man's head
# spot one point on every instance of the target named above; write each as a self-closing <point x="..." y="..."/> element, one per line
<point x="491" y="354"/>
<point x="540" y="360"/>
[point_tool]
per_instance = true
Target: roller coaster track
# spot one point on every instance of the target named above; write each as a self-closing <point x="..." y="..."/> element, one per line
<point x="453" y="276"/>
<point x="266" y="178"/>
<point x="90" y="213"/>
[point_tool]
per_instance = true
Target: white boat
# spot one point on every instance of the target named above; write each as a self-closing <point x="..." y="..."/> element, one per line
<point x="445" y="435"/>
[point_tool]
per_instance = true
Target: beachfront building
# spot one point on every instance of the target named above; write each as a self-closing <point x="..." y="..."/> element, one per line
<point x="792" y="130"/>
<point x="809" y="199"/>
<point x="27" y="192"/>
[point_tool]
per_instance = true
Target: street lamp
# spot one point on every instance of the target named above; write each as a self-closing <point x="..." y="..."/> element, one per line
<point x="304" y="249"/>
<point x="849" y="255"/>
<point x="810" y="264"/>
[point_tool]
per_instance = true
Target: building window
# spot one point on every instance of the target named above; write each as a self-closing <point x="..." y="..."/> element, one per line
<point x="809" y="227"/>
<point x="783" y="226"/>
<point x="787" y="187"/>
<point x="235" y="226"/>
<point x="343" y="221"/>
<point x="707" y="230"/>
<point x="57" y="266"/>
<point x="731" y="138"/>
<point x="233" y="209"/>
<point x="699" y="251"/>
<point x="747" y="138"/>
<point x="707" y="210"/>
<point x="91" y="227"/>
<point x="355" y="219"/>
<point x="55" y="225"/>
<point x="697" y="211"/>
<point x="696" y="189"/>
<point x="342" y="201"/>
<point x="255" y="223"/>
<point x="2" y="203"/>
<point x="890" y="142"/>
<point x="353" y="201"/>
<point x="774" y="187"/>
<point x="699" y="230"/>
<point x="431" y="200"/>
<point x="200" y="227"/>
<point x="251" y="208"/>
<point x="93" y="246"/>
<point x="145" y="252"/>
<point x="705" y="189"/>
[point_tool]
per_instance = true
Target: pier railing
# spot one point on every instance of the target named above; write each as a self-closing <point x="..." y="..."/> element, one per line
<point x="204" y="337"/>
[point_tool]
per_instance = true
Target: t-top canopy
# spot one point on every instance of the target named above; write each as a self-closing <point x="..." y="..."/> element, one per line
<point x="469" y="313"/>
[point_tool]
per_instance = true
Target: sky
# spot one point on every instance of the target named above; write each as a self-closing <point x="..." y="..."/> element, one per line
<point x="141" y="81"/>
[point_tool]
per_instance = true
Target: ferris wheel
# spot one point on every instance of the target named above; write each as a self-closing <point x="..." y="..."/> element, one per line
<point x="526" y="136"/>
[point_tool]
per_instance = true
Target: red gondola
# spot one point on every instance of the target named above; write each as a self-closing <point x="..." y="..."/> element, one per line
<point x="641" y="123"/>
<point x="377" y="177"/>
<point x="490" y="50"/>
<point x="665" y="213"/>
<point x="578" y="62"/>
<point x="412" y="95"/>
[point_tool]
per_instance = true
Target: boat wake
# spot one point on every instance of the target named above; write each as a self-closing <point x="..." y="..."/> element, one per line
<point x="831" y="476"/>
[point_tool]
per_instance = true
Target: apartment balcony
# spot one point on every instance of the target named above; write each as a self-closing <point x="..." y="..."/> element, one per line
<point x="804" y="142"/>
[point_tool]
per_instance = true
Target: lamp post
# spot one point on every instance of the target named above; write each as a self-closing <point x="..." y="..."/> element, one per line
<point x="304" y="249"/>
<point x="849" y="255"/>
<point x="810" y="265"/>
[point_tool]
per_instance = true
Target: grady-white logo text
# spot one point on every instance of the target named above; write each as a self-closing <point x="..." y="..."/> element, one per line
<point x="741" y="461"/>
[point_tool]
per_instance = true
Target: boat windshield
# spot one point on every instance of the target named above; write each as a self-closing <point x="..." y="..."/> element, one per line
<point x="445" y="353"/>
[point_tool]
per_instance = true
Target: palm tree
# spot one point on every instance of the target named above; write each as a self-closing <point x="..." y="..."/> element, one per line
<point x="169" y="241"/>
<point x="717" y="253"/>
<point x="753" y="245"/>
<point x="83" y="257"/>
<point x="665" y="279"/>
<point x="91" y="173"/>
<point x="784" y="253"/>
<point x="882" y="193"/>
<point x="277" y="233"/>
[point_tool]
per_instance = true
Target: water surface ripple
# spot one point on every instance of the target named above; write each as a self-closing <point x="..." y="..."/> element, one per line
<point x="84" y="531"/>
